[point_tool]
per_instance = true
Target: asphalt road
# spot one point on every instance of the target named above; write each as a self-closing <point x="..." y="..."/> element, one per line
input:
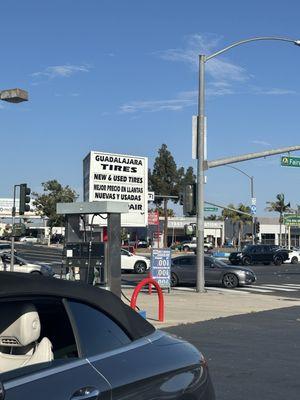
<point x="281" y="280"/>
<point x="252" y="356"/>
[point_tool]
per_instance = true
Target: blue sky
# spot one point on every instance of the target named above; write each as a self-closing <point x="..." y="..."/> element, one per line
<point x="121" y="76"/>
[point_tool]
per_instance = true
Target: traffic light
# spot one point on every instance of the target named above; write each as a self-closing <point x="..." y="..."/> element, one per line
<point x="189" y="200"/>
<point x="257" y="227"/>
<point x="24" y="198"/>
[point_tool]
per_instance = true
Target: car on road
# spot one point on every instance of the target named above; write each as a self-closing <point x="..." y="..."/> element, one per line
<point x="183" y="271"/>
<point x="294" y="257"/>
<point x="134" y="262"/>
<point x="259" y="254"/>
<point x="68" y="340"/>
<point x="21" y="265"/>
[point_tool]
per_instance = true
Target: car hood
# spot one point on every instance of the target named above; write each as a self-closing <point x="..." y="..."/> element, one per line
<point x="233" y="268"/>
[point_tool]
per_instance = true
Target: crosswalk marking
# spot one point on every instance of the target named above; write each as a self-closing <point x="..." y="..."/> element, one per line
<point x="259" y="289"/>
<point x="278" y="287"/>
<point x="292" y="284"/>
<point x="219" y="289"/>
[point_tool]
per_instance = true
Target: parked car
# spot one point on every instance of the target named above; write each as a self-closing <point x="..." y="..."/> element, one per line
<point x="259" y="253"/>
<point x="192" y="246"/>
<point x="28" y="239"/>
<point x="134" y="262"/>
<point x="183" y="270"/>
<point x="21" y="265"/>
<point x="143" y="244"/>
<point x="67" y="340"/>
<point x="5" y="247"/>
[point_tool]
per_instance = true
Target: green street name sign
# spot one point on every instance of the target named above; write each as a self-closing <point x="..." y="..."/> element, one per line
<point x="290" y="161"/>
<point x="212" y="209"/>
<point x="291" y="219"/>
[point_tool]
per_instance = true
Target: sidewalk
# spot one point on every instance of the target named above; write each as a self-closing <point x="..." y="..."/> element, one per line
<point x="183" y="307"/>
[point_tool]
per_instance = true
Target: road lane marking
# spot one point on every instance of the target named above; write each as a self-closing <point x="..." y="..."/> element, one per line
<point x="258" y="289"/>
<point x="278" y="287"/>
<point x="237" y="291"/>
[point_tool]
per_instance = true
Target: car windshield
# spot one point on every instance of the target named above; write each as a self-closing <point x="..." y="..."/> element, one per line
<point x="219" y="263"/>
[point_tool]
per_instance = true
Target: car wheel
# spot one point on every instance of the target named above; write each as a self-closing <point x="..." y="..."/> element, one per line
<point x="246" y="260"/>
<point x="294" y="260"/>
<point x="278" y="260"/>
<point x="186" y="248"/>
<point x="174" y="280"/>
<point x="140" y="267"/>
<point x="230" y="281"/>
<point x="35" y="273"/>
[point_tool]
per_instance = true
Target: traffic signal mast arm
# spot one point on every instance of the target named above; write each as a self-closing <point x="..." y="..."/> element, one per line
<point x="249" y="156"/>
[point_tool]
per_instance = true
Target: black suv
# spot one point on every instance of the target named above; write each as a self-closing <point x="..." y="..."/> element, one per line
<point x="259" y="253"/>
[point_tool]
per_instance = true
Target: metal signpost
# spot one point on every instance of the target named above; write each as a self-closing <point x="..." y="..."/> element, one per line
<point x="161" y="267"/>
<point x="290" y="161"/>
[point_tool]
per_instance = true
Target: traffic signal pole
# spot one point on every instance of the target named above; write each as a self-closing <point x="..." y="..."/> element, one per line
<point x="12" y="250"/>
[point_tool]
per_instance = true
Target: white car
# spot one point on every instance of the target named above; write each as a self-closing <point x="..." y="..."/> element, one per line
<point x="138" y="264"/>
<point x="294" y="257"/>
<point x="21" y="265"/>
<point x="28" y="239"/>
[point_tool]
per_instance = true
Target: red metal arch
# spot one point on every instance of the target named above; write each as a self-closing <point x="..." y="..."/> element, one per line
<point x="161" y="305"/>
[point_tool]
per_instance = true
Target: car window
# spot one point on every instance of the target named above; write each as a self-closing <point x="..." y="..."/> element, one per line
<point x="59" y="344"/>
<point x="185" y="261"/>
<point x="97" y="332"/>
<point x="208" y="262"/>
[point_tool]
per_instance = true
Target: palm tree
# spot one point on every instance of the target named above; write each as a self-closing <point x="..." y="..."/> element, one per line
<point x="238" y="219"/>
<point x="280" y="207"/>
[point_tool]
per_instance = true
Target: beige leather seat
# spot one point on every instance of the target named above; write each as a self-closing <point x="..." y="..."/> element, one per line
<point x="20" y="331"/>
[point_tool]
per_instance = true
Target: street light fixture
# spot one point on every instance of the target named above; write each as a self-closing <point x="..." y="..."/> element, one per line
<point x="201" y="162"/>
<point x="14" y="95"/>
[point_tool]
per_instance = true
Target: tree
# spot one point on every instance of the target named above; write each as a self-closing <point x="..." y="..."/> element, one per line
<point x="238" y="220"/>
<point x="45" y="202"/>
<point x="280" y="207"/>
<point x="163" y="180"/>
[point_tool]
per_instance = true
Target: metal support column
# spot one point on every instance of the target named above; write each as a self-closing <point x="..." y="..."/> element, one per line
<point x="114" y="253"/>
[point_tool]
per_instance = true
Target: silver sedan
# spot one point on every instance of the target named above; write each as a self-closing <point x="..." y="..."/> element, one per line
<point x="183" y="271"/>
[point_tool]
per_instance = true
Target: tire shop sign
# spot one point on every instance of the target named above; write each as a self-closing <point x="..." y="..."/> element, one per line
<point x="118" y="177"/>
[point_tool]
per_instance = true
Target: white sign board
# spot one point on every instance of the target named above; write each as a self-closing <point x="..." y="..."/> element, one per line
<point x="6" y="205"/>
<point x="118" y="177"/>
<point x="151" y="196"/>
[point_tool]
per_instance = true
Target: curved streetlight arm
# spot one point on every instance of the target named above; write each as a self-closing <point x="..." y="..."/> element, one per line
<point x="237" y="169"/>
<point x="282" y="39"/>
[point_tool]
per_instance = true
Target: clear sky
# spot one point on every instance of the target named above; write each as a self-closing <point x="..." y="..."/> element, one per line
<point x="121" y="76"/>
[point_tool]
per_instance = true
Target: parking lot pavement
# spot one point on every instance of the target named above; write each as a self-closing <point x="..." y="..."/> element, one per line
<point x="185" y="306"/>
<point x="251" y="356"/>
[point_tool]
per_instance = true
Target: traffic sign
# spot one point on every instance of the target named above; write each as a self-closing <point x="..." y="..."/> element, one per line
<point x="253" y="209"/>
<point x="151" y="196"/>
<point x="212" y="209"/>
<point x="291" y="219"/>
<point x="161" y="267"/>
<point x="253" y="201"/>
<point x="290" y="161"/>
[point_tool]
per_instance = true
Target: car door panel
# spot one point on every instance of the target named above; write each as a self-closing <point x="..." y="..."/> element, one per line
<point x="143" y="374"/>
<point x="60" y="383"/>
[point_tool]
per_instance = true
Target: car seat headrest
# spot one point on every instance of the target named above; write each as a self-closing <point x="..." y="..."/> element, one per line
<point x="19" y="324"/>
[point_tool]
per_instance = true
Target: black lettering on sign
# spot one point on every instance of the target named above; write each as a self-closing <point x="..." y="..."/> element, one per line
<point x="105" y="196"/>
<point x="136" y="207"/>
